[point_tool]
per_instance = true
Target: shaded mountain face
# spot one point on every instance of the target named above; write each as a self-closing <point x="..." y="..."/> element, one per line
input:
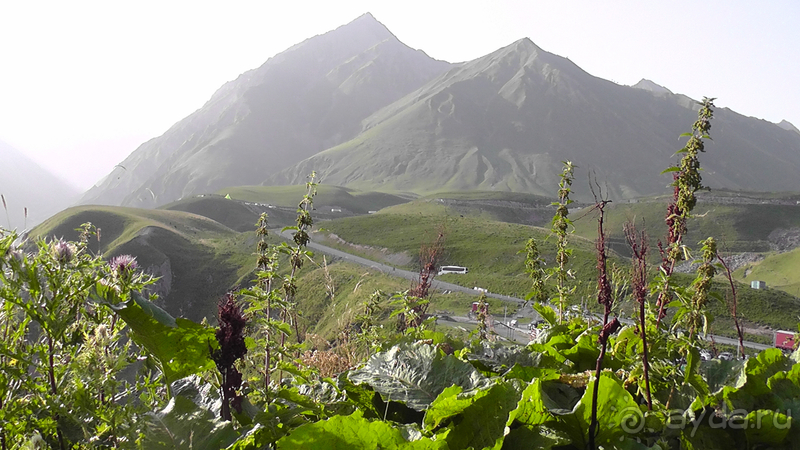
<point x="311" y="97"/>
<point x="25" y="184"/>
<point x="506" y="121"/>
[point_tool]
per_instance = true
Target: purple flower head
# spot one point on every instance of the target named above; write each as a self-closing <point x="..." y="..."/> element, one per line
<point x="62" y="251"/>
<point x="123" y="265"/>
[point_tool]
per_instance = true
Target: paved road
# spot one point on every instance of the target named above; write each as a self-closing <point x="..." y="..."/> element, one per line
<point x="441" y="285"/>
<point x="518" y="333"/>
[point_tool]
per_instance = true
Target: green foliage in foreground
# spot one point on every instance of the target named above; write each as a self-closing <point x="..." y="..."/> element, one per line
<point x="412" y="392"/>
<point x="415" y="393"/>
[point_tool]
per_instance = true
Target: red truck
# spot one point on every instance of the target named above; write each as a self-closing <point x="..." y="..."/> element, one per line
<point x="784" y="340"/>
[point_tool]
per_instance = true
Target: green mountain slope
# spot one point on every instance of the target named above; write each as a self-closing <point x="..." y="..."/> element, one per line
<point x="779" y="271"/>
<point x="505" y="121"/>
<point x="197" y="259"/>
<point x="490" y="249"/>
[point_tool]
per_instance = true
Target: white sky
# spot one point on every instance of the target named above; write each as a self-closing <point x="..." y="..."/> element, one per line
<point x="83" y="83"/>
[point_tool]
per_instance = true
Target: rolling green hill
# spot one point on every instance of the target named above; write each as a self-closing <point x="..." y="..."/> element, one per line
<point x="503" y="206"/>
<point x="196" y="258"/>
<point x="235" y="214"/>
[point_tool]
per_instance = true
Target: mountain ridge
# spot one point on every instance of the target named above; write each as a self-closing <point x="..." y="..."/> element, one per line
<point x="366" y="111"/>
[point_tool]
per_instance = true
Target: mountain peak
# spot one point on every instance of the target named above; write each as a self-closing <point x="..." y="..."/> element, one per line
<point x="368" y="23"/>
<point x="654" y="88"/>
<point x="524" y="45"/>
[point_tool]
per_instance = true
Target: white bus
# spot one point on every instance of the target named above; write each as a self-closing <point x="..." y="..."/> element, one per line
<point x="452" y="269"/>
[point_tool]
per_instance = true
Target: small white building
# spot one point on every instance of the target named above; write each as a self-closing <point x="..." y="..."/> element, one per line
<point x="757" y="284"/>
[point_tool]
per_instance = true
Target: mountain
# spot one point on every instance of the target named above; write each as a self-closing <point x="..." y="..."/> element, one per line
<point x="25" y="184"/>
<point x="506" y="121"/>
<point x="369" y="113"/>
<point x="311" y="97"/>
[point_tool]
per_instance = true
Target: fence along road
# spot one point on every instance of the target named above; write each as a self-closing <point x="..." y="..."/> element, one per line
<point x="441" y="285"/>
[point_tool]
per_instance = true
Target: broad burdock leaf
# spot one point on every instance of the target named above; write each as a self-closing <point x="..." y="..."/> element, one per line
<point x="190" y="420"/>
<point x="416" y="374"/>
<point x="618" y="414"/>
<point x="478" y="417"/>
<point x="354" y="432"/>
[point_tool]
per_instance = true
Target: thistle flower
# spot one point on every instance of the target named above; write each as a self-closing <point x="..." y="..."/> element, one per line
<point x="62" y="251"/>
<point x="123" y="266"/>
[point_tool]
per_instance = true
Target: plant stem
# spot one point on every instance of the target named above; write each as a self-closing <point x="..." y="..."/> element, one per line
<point x="734" y="303"/>
<point x="638" y="244"/>
<point x="53" y="386"/>
<point x="605" y="298"/>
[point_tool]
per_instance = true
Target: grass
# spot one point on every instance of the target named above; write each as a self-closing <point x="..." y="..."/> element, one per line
<point x="511" y="207"/>
<point x="490" y="249"/>
<point x="233" y="214"/>
<point x="327" y="316"/>
<point x="204" y="258"/>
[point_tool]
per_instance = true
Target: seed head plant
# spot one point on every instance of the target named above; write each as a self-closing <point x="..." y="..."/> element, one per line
<point x="686" y="182"/>
<point x="559" y="227"/>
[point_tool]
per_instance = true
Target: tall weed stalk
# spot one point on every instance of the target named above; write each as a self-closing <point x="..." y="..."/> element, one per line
<point x="686" y="182"/>
<point x="559" y="227"/>
<point x="637" y="241"/>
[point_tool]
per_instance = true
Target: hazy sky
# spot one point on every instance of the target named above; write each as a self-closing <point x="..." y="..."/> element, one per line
<point x="83" y="83"/>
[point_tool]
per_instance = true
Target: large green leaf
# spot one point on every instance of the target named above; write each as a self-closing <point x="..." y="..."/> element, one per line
<point x="353" y="432"/>
<point x="189" y="421"/>
<point x="719" y="373"/>
<point x="181" y="346"/>
<point x="498" y="358"/>
<point x="477" y="417"/>
<point x="618" y="414"/>
<point x="765" y="427"/>
<point x="450" y="402"/>
<point x="531" y="409"/>
<point x="416" y="374"/>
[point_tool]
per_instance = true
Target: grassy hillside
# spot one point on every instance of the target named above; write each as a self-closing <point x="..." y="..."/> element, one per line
<point x="490" y="249"/>
<point x="197" y="259"/>
<point x="358" y="202"/>
<point x="737" y="227"/>
<point x="780" y="271"/>
<point x="511" y="207"/>
<point x="327" y="315"/>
